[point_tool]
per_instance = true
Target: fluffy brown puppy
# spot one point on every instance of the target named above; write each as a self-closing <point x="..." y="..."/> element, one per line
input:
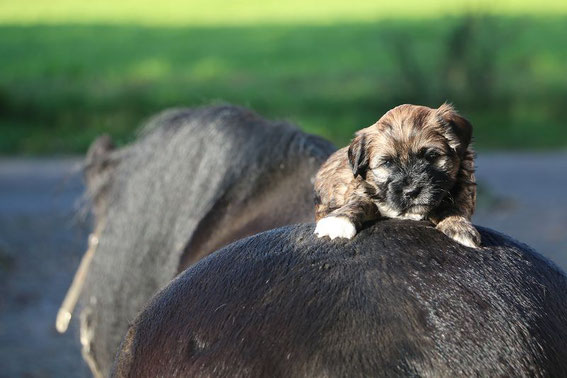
<point x="414" y="163"/>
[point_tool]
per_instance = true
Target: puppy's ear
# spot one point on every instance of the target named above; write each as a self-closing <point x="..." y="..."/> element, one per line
<point x="358" y="155"/>
<point x="459" y="127"/>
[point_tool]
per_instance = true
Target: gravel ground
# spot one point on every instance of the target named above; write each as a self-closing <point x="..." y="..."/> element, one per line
<point x="524" y="196"/>
<point x="42" y="240"/>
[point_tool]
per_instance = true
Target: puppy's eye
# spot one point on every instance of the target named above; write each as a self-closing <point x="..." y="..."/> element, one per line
<point x="432" y="155"/>
<point x="388" y="163"/>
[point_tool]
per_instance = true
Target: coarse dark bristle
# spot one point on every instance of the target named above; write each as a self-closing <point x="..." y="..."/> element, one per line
<point x="400" y="299"/>
<point x="194" y="181"/>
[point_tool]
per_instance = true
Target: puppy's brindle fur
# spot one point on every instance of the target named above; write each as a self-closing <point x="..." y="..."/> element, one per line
<point x="414" y="163"/>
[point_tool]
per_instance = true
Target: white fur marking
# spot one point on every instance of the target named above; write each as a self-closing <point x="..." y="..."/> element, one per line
<point x="386" y="211"/>
<point x="441" y="162"/>
<point x="335" y="227"/>
<point x="412" y="216"/>
<point x="381" y="174"/>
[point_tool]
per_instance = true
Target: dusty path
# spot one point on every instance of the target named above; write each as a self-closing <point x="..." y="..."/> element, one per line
<point x="527" y="199"/>
<point x="42" y="240"/>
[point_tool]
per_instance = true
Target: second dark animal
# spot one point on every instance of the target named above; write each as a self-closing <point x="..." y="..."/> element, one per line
<point x="194" y="181"/>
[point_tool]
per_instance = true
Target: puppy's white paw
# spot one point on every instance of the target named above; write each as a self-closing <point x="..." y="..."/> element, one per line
<point x="335" y="227"/>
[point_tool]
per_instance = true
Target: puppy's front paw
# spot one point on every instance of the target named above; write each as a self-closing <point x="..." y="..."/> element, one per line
<point x="461" y="230"/>
<point x="335" y="227"/>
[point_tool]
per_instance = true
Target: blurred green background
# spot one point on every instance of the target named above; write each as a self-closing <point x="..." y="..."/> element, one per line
<point x="71" y="70"/>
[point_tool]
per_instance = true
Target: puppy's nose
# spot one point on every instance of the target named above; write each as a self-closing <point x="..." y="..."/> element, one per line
<point x="412" y="192"/>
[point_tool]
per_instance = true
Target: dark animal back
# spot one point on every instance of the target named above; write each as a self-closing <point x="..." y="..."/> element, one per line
<point x="400" y="299"/>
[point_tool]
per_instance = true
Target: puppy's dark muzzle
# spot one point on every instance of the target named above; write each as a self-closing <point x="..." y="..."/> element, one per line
<point x="412" y="192"/>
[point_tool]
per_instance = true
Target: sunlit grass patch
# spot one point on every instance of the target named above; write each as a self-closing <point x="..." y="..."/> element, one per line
<point x="254" y="12"/>
<point x="60" y="85"/>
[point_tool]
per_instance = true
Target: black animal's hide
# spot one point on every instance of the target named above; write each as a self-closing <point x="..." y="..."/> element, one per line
<point x="196" y="180"/>
<point x="400" y="299"/>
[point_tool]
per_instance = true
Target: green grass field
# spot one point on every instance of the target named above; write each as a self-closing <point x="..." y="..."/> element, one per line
<point x="68" y="73"/>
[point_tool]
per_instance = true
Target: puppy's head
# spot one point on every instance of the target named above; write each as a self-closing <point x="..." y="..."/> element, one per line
<point x="411" y="156"/>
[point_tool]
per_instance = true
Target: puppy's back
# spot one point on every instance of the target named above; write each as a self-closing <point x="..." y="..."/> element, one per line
<point x="401" y="299"/>
<point x="334" y="183"/>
